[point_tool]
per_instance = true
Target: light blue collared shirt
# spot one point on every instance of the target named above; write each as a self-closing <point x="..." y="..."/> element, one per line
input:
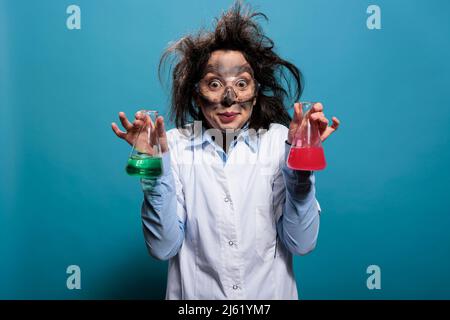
<point x="229" y="223"/>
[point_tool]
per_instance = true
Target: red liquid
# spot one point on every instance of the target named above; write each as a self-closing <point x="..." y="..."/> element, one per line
<point x="306" y="159"/>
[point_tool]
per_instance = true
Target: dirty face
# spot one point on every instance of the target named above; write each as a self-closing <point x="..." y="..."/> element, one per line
<point x="227" y="90"/>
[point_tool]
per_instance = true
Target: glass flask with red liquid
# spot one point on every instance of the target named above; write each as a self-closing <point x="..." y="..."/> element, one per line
<point x="306" y="150"/>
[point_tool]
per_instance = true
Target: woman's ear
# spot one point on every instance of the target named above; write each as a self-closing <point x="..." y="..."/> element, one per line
<point x="254" y="101"/>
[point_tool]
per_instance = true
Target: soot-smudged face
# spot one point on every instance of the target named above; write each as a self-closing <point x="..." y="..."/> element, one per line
<point x="227" y="90"/>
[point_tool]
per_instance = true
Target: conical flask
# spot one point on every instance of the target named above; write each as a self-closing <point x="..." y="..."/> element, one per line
<point x="306" y="150"/>
<point x="145" y="159"/>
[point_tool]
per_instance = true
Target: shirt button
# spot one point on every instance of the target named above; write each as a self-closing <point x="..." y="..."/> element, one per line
<point x="226" y="199"/>
<point x="230" y="243"/>
<point x="235" y="287"/>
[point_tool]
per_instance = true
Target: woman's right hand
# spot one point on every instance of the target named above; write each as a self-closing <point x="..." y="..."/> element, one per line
<point x="132" y="132"/>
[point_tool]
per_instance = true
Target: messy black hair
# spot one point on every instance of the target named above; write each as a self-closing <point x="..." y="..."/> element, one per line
<point x="237" y="30"/>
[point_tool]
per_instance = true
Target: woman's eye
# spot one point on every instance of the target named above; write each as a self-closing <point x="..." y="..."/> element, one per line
<point x="214" y="84"/>
<point x="241" y="84"/>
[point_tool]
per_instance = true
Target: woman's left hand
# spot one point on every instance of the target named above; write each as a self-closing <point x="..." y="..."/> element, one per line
<point x="316" y="115"/>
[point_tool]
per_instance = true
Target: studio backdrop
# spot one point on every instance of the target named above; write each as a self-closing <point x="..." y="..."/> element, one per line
<point x="68" y="208"/>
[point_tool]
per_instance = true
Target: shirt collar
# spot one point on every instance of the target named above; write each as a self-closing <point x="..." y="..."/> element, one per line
<point x="250" y="137"/>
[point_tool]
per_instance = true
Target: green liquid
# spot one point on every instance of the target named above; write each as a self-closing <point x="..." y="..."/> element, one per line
<point x="144" y="167"/>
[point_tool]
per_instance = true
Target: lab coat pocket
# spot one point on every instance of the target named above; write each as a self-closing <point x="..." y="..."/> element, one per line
<point x="266" y="232"/>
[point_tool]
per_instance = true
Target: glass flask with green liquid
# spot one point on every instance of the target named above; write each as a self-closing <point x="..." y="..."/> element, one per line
<point x="145" y="159"/>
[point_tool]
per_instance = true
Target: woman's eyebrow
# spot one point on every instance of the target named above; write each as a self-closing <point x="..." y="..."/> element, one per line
<point x="235" y="70"/>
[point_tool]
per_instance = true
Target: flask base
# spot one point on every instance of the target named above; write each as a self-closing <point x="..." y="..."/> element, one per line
<point x="144" y="167"/>
<point x="307" y="159"/>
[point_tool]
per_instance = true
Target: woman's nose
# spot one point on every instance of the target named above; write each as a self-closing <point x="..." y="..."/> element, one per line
<point x="229" y="97"/>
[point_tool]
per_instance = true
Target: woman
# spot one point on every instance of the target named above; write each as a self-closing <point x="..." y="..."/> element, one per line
<point x="228" y="213"/>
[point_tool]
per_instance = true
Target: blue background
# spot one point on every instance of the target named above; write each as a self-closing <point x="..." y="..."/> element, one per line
<point x="65" y="198"/>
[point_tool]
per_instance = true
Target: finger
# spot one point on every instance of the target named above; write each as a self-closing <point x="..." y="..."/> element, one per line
<point x="141" y="116"/>
<point x="323" y="123"/>
<point x="317" y="107"/>
<point x="335" y="123"/>
<point x="138" y="123"/>
<point x="297" y="112"/>
<point x="317" y="115"/>
<point x="117" y="131"/>
<point x="149" y="121"/>
<point x="160" y="127"/>
<point x="329" y="130"/>
<point x="162" y="134"/>
<point x="152" y="129"/>
<point x="326" y="133"/>
<point x="140" y="119"/>
<point x="123" y="119"/>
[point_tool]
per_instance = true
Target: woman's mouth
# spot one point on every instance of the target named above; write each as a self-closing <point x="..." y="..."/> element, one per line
<point x="227" y="117"/>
